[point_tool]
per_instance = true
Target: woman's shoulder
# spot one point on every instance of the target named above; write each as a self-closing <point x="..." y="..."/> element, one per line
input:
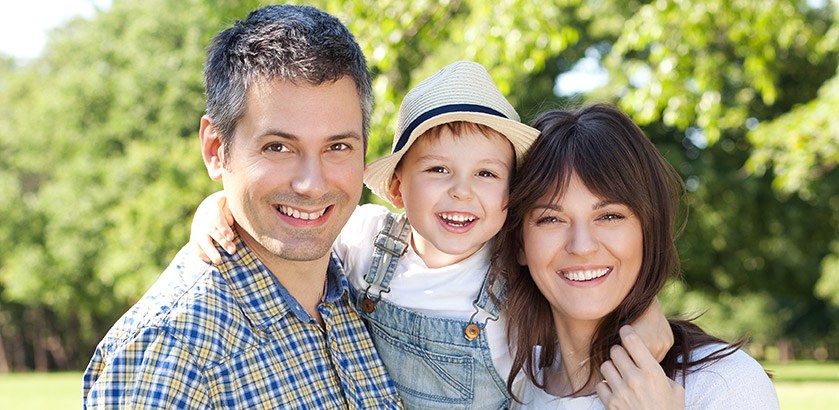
<point x="734" y="381"/>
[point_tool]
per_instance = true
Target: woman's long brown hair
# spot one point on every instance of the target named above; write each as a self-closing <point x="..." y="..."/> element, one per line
<point x="616" y="162"/>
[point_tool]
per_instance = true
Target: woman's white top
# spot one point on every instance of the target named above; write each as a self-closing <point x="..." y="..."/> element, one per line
<point x="736" y="381"/>
<point x="446" y="292"/>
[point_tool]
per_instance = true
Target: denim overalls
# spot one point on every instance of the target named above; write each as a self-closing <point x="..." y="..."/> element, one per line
<point x="436" y="363"/>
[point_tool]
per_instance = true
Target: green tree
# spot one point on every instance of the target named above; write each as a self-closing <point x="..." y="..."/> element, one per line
<point x="101" y="170"/>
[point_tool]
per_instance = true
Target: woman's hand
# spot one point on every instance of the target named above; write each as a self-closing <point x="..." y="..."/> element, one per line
<point x="633" y="379"/>
<point x="654" y="330"/>
<point x="212" y="222"/>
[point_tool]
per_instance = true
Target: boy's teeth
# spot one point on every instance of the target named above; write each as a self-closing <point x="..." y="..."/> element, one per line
<point x="583" y="275"/>
<point x="296" y="213"/>
<point x="457" y="217"/>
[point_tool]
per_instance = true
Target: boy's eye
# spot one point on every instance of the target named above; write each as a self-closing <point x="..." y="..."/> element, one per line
<point x="436" y="170"/>
<point x="276" y="147"/>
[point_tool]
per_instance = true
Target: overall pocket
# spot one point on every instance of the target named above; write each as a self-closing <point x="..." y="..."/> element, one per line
<point x="428" y="378"/>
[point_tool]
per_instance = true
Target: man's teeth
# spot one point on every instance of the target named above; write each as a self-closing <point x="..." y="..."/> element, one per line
<point x="457" y="217"/>
<point x="296" y="213"/>
<point x="581" y="275"/>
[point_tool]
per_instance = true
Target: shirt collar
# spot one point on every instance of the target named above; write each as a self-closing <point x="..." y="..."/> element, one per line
<point x="262" y="297"/>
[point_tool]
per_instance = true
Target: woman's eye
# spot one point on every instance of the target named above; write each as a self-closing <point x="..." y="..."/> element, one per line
<point x="612" y="217"/>
<point x="547" y="220"/>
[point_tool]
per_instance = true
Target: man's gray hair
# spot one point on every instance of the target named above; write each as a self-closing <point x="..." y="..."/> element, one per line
<point x="280" y="42"/>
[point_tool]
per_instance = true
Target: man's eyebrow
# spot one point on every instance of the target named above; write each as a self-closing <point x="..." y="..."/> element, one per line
<point x="337" y="137"/>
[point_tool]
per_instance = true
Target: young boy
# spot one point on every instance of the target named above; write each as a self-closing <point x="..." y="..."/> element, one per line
<point x="422" y="286"/>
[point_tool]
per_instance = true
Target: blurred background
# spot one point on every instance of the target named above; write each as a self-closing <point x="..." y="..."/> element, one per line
<point x="100" y="169"/>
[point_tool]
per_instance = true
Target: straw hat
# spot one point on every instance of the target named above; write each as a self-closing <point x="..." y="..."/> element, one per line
<point x="462" y="91"/>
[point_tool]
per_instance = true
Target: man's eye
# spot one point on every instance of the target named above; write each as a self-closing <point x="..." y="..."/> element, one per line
<point x="276" y="147"/>
<point x="340" y="146"/>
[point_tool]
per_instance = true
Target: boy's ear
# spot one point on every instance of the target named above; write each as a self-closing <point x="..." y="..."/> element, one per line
<point x="395" y="192"/>
<point x="211" y="148"/>
<point x="521" y="257"/>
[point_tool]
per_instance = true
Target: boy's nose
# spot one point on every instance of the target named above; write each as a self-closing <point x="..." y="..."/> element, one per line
<point x="461" y="190"/>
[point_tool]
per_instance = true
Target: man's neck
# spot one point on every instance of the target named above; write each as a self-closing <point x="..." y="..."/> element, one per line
<point x="304" y="280"/>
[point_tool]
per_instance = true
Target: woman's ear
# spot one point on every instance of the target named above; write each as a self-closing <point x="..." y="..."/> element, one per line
<point x="395" y="192"/>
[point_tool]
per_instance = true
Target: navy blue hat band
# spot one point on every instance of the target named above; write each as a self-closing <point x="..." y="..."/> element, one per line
<point x="445" y="109"/>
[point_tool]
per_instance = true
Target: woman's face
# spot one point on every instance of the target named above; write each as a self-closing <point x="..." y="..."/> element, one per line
<point x="583" y="252"/>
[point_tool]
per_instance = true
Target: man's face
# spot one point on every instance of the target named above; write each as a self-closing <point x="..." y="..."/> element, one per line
<point x="295" y="165"/>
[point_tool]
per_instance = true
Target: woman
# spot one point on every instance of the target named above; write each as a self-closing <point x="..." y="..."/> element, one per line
<point x="587" y="246"/>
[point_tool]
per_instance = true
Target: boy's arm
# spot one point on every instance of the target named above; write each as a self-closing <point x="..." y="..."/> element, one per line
<point x="212" y="222"/>
<point x="654" y="330"/>
<point x="151" y="370"/>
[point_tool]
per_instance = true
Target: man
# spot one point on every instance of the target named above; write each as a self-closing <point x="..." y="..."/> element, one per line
<point x="288" y="107"/>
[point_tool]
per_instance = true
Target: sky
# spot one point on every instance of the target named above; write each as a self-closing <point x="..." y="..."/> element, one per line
<point x="24" y="23"/>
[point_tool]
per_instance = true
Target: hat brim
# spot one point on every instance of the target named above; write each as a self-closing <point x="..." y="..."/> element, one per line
<point x="379" y="173"/>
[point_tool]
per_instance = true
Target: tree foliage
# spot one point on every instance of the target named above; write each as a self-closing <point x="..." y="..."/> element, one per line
<point x="101" y="170"/>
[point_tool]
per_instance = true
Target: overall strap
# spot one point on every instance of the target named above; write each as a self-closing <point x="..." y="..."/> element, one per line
<point x="490" y="288"/>
<point x="390" y="244"/>
<point x="486" y="303"/>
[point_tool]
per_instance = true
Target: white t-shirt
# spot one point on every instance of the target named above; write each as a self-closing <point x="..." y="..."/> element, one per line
<point x="446" y="292"/>
<point x="736" y="381"/>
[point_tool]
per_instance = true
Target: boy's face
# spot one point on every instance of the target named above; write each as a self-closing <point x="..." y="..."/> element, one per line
<point x="454" y="191"/>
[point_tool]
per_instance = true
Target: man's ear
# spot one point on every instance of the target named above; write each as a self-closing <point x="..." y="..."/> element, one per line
<point x="521" y="257"/>
<point x="211" y="148"/>
<point x="395" y="193"/>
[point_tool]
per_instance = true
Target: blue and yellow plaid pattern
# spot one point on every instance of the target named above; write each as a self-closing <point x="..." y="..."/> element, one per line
<point x="232" y="337"/>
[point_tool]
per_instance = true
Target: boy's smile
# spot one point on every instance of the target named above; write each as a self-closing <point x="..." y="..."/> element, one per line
<point x="454" y="190"/>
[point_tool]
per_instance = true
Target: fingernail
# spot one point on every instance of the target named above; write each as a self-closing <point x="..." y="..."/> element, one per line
<point x="231" y="249"/>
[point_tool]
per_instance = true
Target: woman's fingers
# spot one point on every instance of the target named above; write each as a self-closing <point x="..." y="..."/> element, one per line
<point x="637" y="350"/>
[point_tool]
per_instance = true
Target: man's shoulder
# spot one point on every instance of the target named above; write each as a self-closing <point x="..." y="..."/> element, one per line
<point x="192" y="304"/>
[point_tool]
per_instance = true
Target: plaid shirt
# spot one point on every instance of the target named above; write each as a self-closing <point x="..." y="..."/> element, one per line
<point x="233" y="337"/>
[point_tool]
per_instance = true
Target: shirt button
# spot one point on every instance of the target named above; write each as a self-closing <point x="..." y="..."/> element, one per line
<point x="472" y="332"/>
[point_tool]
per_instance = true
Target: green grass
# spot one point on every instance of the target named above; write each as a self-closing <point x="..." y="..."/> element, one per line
<point x="806" y="384"/>
<point x="800" y="385"/>
<point x="41" y="391"/>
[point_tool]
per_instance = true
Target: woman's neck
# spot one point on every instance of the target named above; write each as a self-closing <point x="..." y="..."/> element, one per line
<point x="572" y="376"/>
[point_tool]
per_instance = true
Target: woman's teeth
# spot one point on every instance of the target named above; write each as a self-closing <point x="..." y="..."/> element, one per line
<point x="583" y="275"/>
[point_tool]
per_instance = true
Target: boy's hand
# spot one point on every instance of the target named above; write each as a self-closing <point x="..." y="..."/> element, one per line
<point x="654" y="330"/>
<point x="212" y="222"/>
<point x="633" y="379"/>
